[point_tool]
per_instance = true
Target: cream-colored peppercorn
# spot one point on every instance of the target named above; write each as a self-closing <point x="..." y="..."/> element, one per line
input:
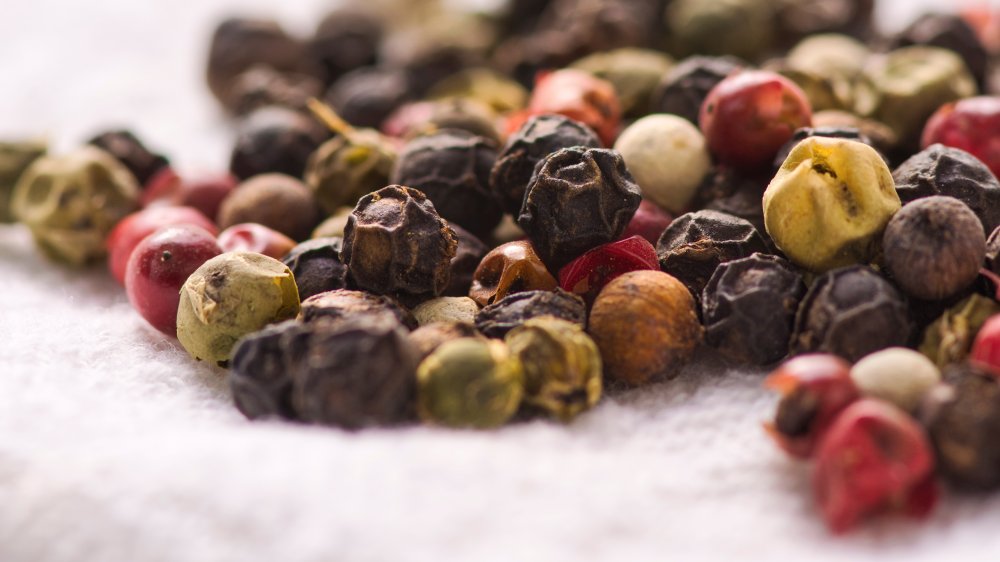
<point x="446" y="309"/>
<point x="897" y="374"/>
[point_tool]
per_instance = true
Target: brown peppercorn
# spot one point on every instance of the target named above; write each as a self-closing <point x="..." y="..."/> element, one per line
<point x="395" y="243"/>
<point x="577" y="199"/>
<point x="497" y="319"/>
<point x="260" y="367"/>
<point x="365" y="97"/>
<point x="431" y="336"/>
<point x="274" y="200"/>
<point x="130" y="151"/>
<point x="452" y="168"/>
<point x="343" y="304"/>
<point x="933" y="247"/>
<point x="317" y="267"/>
<point x="275" y="139"/>
<point x="468" y="255"/>
<point x="696" y="243"/>
<point x="646" y="326"/>
<point x="263" y="86"/>
<point x="850" y="312"/>
<point x="507" y="269"/>
<point x="345" y="39"/>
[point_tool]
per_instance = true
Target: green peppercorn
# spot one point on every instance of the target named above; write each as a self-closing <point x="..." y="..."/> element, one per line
<point x="15" y="157"/>
<point x="496" y="90"/>
<point x="562" y="366"/>
<point x="346" y="168"/>
<point x="470" y="383"/>
<point x="949" y="339"/>
<point x="71" y="202"/>
<point x="230" y="296"/>
<point x="635" y="74"/>
<point x="744" y="28"/>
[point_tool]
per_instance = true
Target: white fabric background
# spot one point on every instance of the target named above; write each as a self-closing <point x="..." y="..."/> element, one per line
<point x="114" y="446"/>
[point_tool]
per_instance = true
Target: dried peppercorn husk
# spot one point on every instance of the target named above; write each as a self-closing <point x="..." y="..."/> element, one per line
<point x="70" y="202"/>
<point x="501" y="317"/>
<point x="949" y="339"/>
<point x="510" y="268"/>
<point x="15" y="157"/>
<point x="342" y="304"/>
<point x="562" y="366"/>
<point x="348" y="167"/>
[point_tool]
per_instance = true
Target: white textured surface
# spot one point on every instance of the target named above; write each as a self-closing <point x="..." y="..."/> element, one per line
<point x="115" y="447"/>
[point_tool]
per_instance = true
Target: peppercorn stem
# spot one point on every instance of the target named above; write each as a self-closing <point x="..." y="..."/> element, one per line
<point x="329" y="117"/>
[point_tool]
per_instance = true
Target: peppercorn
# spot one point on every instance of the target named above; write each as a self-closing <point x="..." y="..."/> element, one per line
<point x="897" y="375"/>
<point x="334" y="225"/>
<point x="446" y="309"/>
<point x="204" y="193"/>
<point x="539" y="137"/>
<point x="230" y="296"/>
<point x="275" y="140"/>
<point x="348" y="167"/>
<point x="130" y="151"/>
<point x="967" y="124"/>
<point x="646" y="326"/>
<point x="814" y="389"/>
<point x="72" y="201"/>
<point x="499" y="318"/>
<point x="683" y="90"/>
<point x="253" y="237"/>
<point x="429" y="337"/>
<point x="696" y="243"/>
<point x="985" y="352"/>
<point x="942" y="170"/>
<point x="427" y="117"/>
<point x="744" y="28"/>
<point x="799" y="19"/>
<point x="260" y="369"/>
<point x="452" y="168"/>
<point x="365" y="97"/>
<point x="345" y="39"/>
<point x="468" y="255"/>
<point x="317" y="267"/>
<point x="948" y="31"/>
<point x="470" y="383"/>
<point x="129" y="231"/>
<point x="749" y="306"/>
<point x="668" y="158"/>
<point x="577" y="199"/>
<point x="934" y="247"/>
<point x="962" y="418"/>
<point x="827" y="67"/>
<point x="396" y="243"/>
<point x="850" y="312"/>
<point x="263" y="86"/>
<point x="588" y="274"/>
<point x="274" y="200"/>
<point x="496" y="90"/>
<point x="507" y="269"/>
<point x="735" y="193"/>
<point x="15" y="157"/>
<point x="633" y="72"/>
<point x="949" y="339"/>
<point x="649" y="222"/>
<point x="562" y="366"/>
<point x="429" y="57"/>
<point x="581" y="97"/>
<point x="358" y="373"/>
<point x="829" y="203"/>
<point x="343" y="304"/>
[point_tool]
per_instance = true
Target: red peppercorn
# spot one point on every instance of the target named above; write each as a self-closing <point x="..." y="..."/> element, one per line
<point x="133" y="228"/>
<point x="875" y="458"/>
<point x="580" y="96"/>
<point x="986" y="347"/>
<point x="971" y="124"/>
<point x="589" y="273"/>
<point x="205" y="193"/>
<point x="159" y="266"/>
<point x="253" y="237"/>
<point x="649" y="221"/>
<point x="749" y="115"/>
<point x="814" y="389"/>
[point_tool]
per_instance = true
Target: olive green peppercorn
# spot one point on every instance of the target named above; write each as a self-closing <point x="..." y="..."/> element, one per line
<point x="15" y="157"/>
<point x="348" y="167"/>
<point x="949" y="339"/>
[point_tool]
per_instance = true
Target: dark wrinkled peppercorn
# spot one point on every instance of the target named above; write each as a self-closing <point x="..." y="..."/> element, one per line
<point x="685" y="87"/>
<point x="367" y="96"/>
<point x="849" y="133"/>
<point x="431" y="336"/>
<point x="452" y="168"/>
<point x="130" y="151"/>
<point x="346" y="168"/>
<point x="748" y="308"/>
<point x="359" y="373"/>
<point x="274" y="200"/>
<point x="343" y="304"/>
<point x="578" y="199"/>
<point x="948" y="31"/>
<point x="317" y="267"/>
<point x="934" y="247"/>
<point x="497" y="319"/>
<point x="469" y="253"/>
<point x="536" y="139"/>
<point x="696" y="243"/>
<point x="509" y="268"/>
<point x="346" y="39"/>
<point x="275" y="139"/>
<point x="260" y="369"/>
<point x="963" y="421"/>
<point x="850" y="312"/>
<point x="941" y="170"/>
<point x="263" y="86"/>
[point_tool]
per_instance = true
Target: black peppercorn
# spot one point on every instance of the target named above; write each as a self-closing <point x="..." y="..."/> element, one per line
<point x="259" y="371"/>
<point x="948" y="31"/>
<point x="577" y="199"/>
<point x="452" y="168"/>
<point x="343" y="304"/>
<point x="130" y="151"/>
<point x="748" y="308"/>
<point x="685" y="87"/>
<point x="317" y="267"/>
<point x="735" y="193"/>
<point x="262" y="86"/>
<point x="696" y="243"/>
<point x="395" y="243"/>
<point x="537" y="138"/>
<point x="497" y="319"/>
<point x="934" y="247"/>
<point x="275" y="139"/>
<point x="942" y="170"/>
<point x="346" y="39"/>
<point x="850" y="312"/>
<point x="367" y="96"/>
<point x="468" y="254"/>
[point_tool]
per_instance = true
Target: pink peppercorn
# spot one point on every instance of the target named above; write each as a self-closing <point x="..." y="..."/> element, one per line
<point x="649" y="221"/>
<point x="589" y="273"/>
<point x="140" y="224"/>
<point x="986" y="347"/>
<point x="971" y="124"/>
<point x="253" y="237"/>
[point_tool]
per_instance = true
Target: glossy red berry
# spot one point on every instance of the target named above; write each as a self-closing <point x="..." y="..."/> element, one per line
<point x="589" y="273"/>
<point x="580" y="96"/>
<point x="875" y="458"/>
<point x="253" y="237"/>
<point x="748" y="116"/>
<point x="205" y="193"/>
<point x="986" y="347"/>
<point x="133" y="228"/>
<point x="971" y="124"/>
<point x="649" y="221"/>
<point x="159" y="266"/>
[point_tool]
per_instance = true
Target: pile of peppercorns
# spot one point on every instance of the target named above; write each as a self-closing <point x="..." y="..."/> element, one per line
<point x="469" y="229"/>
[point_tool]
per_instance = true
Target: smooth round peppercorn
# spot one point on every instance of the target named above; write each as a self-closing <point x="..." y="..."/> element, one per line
<point x="588" y="274"/>
<point x="668" y="158"/>
<point x="683" y="90"/>
<point x="897" y="375"/>
<point x="470" y="383"/>
<point x="253" y="237"/>
<point x="446" y="309"/>
<point x="317" y="267"/>
<point x="274" y="200"/>
<point x="969" y="124"/>
<point x="934" y="247"/>
<point x="498" y="91"/>
<point x="985" y="352"/>
<point x="343" y="304"/>
<point x="646" y="326"/>
<point x="129" y="231"/>
<point x="71" y="202"/>
<point x="562" y="366"/>
<point x="345" y="39"/>
<point x="275" y="140"/>
<point x="495" y="320"/>
<point x="507" y="269"/>
<point x="829" y="203"/>
<point x="214" y="310"/>
<point x="131" y="152"/>
<point x="581" y="97"/>
<point x="948" y="339"/>
<point x="365" y="97"/>
<point x="348" y="167"/>
<point x="948" y="31"/>
<point x="429" y="337"/>
<point x="15" y="157"/>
